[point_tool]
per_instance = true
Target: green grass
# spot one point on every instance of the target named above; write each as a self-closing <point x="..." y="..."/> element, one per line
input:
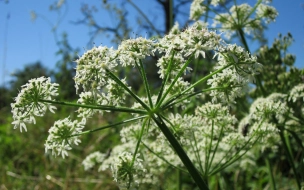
<point x="25" y="165"/>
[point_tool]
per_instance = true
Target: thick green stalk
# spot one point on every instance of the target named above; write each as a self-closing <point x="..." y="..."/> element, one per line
<point x="99" y="107"/>
<point x="171" y="13"/>
<point x="273" y="185"/>
<point x="180" y="152"/>
<point x="289" y="157"/>
<point x="179" y="180"/>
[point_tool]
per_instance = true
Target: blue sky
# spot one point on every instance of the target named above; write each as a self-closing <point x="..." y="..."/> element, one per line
<point x="23" y="41"/>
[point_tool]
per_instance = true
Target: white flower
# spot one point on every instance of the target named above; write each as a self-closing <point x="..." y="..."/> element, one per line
<point x="233" y="81"/>
<point x="266" y="109"/>
<point x="216" y="2"/>
<point x="237" y="18"/>
<point x="228" y="85"/>
<point x="133" y="50"/>
<point x="92" y="159"/>
<point x="175" y="29"/>
<point x="194" y="40"/>
<point x="177" y="63"/>
<point x="92" y="68"/>
<point x="91" y="98"/>
<point x="266" y="12"/>
<point x="125" y="169"/>
<point x="63" y="135"/>
<point x="116" y="95"/>
<point x="266" y="133"/>
<point x="28" y="103"/>
<point x="197" y="9"/>
<point x="296" y="93"/>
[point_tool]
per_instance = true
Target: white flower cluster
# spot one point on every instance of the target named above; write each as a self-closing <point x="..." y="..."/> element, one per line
<point x="296" y="93"/>
<point x="217" y="2"/>
<point x="28" y="105"/>
<point x="179" y="86"/>
<point x="132" y="50"/>
<point x="91" y="68"/>
<point x="63" y="135"/>
<point x="233" y="81"/>
<point x="92" y="159"/>
<point x="196" y="9"/>
<point x="215" y="113"/>
<point x="267" y="13"/>
<point x="240" y="16"/>
<point x="92" y="75"/>
<point x="194" y="40"/>
<point x="209" y="138"/>
<point x="177" y="63"/>
<point x="126" y="169"/>
<point x="263" y="120"/>
<point x="90" y="98"/>
<point x="270" y="109"/>
<point x="113" y="95"/>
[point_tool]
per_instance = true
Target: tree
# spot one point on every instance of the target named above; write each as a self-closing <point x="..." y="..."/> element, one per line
<point x="30" y="71"/>
<point x="65" y="68"/>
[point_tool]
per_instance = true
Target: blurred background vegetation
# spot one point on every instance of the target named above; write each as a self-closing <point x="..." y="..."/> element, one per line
<point x="25" y="165"/>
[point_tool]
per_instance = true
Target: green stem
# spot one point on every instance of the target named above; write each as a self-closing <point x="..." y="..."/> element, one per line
<point x="174" y="81"/>
<point x="273" y="185"/>
<point x="234" y="158"/>
<point x="216" y="146"/>
<point x="108" y="126"/>
<point x="197" y="155"/>
<point x="253" y="9"/>
<point x="179" y="180"/>
<point x="167" y="76"/>
<point x="289" y="157"/>
<point x="169" y="102"/>
<point x="170" y="13"/>
<point x="163" y="159"/>
<point x="297" y="138"/>
<point x="118" y="81"/>
<point x="205" y="78"/>
<point x="207" y="163"/>
<point x="99" y="107"/>
<point x="180" y="152"/>
<point x="144" y="77"/>
<point x="139" y="139"/>
<point x="244" y="42"/>
<point x="207" y="11"/>
<point x="295" y="119"/>
<point x="176" y="96"/>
